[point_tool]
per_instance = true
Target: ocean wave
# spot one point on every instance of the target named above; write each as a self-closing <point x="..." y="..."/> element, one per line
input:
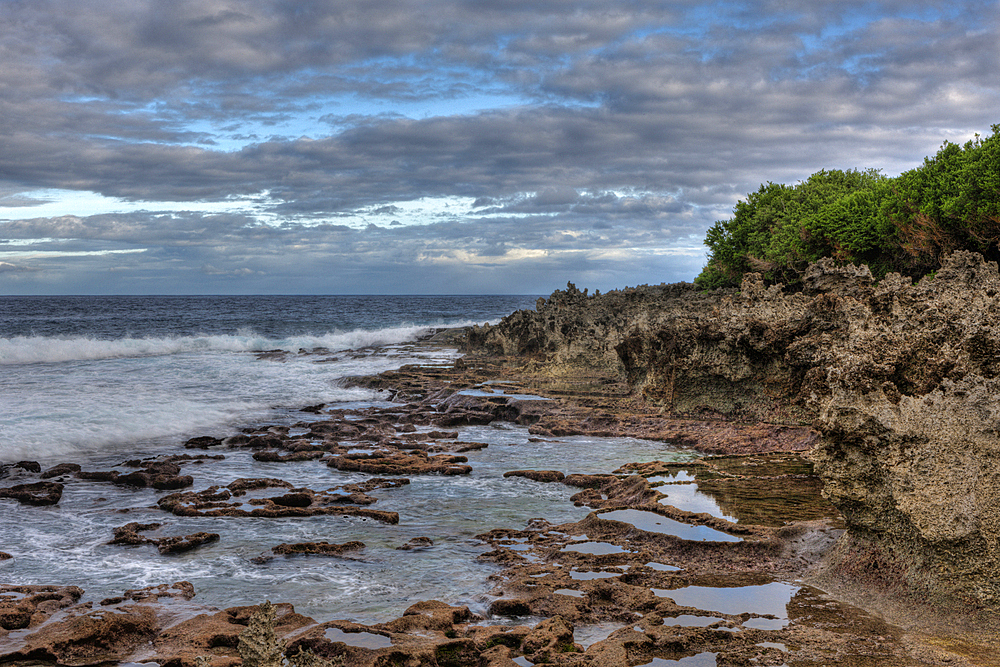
<point x="43" y="427"/>
<point x="47" y="349"/>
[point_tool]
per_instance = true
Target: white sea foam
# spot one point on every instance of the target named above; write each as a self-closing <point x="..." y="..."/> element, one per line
<point x="99" y="395"/>
<point x="47" y="349"/>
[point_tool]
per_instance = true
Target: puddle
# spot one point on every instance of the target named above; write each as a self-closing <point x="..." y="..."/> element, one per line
<point x="765" y="623"/>
<point x="521" y="661"/>
<point x="510" y="621"/>
<point x="500" y="393"/>
<point x="767" y="489"/>
<point x="689" y="621"/>
<point x="571" y="592"/>
<point x="766" y="600"/>
<point x="660" y="567"/>
<point x="679" y="476"/>
<point x="700" y="660"/>
<point x="652" y="522"/>
<point x="687" y="497"/>
<point x="358" y="639"/>
<point x="761" y="465"/>
<point x="596" y="548"/>
<point x="587" y="576"/>
<point x="588" y="635"/>
<point x="780" y="647"/>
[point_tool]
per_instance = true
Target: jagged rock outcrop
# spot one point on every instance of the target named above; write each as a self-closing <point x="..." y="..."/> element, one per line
<point x="901" y="380"/>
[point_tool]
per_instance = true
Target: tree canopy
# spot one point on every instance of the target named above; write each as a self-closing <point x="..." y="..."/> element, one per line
<point x="905" y="224"/>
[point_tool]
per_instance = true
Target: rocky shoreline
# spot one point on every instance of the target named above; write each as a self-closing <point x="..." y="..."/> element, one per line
<point x="795" y="400"/>
<point x="899" y="381"/>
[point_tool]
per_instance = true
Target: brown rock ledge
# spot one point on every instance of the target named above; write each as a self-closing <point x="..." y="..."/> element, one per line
<point x="900" y="381"/>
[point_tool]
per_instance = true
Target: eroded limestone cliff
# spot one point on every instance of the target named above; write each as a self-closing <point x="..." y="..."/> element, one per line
<point x="901" y="380"/>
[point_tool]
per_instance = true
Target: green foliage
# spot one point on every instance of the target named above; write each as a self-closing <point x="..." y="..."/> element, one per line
<point x="904" y="224"/>
<point x="260" y="646"/>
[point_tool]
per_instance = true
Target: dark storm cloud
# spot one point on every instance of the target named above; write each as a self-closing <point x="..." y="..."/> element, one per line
<point x="589" y="127"/>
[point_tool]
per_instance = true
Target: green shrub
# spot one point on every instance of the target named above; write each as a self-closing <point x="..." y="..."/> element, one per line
<point x="905" y="224"/>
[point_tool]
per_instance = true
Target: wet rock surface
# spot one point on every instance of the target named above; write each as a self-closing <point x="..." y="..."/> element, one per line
<point x="537" y="475"/>
<point x="231" y="501"/>
<point x="39" y="493"/>
<point x="598" y="592"/>
<point x="129" y="535"/>
<point x="316" y="548"/>
<point x="28" y="606"/>
<point x="721" y="557"/>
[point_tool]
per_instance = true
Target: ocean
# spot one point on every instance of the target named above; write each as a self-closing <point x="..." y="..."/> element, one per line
<point x="99" y="380"/>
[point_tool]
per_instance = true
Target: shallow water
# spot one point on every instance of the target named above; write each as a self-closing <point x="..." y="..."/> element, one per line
<point x="373" y="584"/>
<point x="663" y="568"/>
<point x="687" y="497"/>
<point x="764" y="600"/>
<point x="654" y="523"/>
<point x="689" y="621"/>
<point x="596" y="548"/>
<point x="589" y="576"/>
<point x="700" y="660"/>
<point x="359" y="639"/>
<point x="97" y="382"/>
<point x="93" y="374"/>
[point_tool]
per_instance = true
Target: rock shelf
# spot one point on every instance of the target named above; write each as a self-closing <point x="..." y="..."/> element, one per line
<point x="893" y="387"/>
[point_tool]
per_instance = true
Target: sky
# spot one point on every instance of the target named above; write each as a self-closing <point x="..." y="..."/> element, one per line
<point x="446" y="146"/>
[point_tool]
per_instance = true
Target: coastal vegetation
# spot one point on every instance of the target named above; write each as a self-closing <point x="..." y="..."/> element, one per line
<point x="906" y="224"/>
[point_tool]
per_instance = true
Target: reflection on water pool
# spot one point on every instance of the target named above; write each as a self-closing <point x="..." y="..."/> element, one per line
<point x="654" y="523"/>
<point x="766" y="600"/>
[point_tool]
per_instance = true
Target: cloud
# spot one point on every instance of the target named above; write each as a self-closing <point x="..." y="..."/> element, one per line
<point x="578" y="130"/>
<point x="333" y="258"/>
<point x="21" y="200"/>
<point x="210" y="270"/>
<point x="7" y="267"/>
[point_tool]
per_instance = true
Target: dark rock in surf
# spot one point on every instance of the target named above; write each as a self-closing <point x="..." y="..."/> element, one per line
<point x="129" y="535"/>
<point x="20" y="605"/>
<point x="537" y="475"/>
<point x="317" y="548"/>
<point x="39" y="493"/>
<point x="416" y="543"/>
<point x="202" y="442"/>
<point x="176" y="545"/>
<point x="216" y="501"/>
<point x="407" y="463"/>
<point x="61" y="469"/>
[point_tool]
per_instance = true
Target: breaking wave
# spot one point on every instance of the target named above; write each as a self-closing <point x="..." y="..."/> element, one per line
<point x="46" y="349"/>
